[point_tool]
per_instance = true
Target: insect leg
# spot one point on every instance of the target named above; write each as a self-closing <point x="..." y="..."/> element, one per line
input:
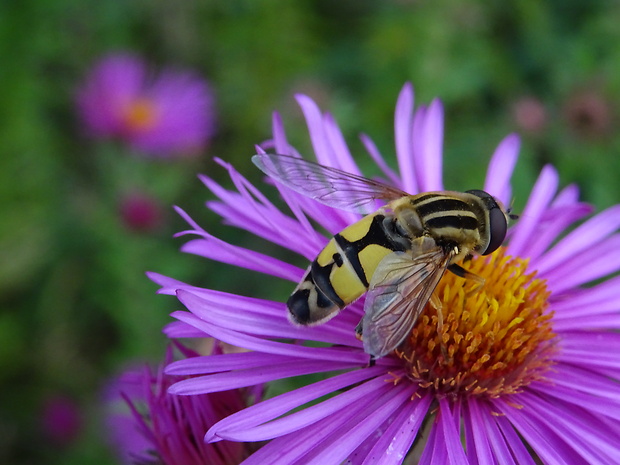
<point x="463" y="273"/>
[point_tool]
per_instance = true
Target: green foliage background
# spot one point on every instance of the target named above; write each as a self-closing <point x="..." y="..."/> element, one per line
<point x="75" y="304"/>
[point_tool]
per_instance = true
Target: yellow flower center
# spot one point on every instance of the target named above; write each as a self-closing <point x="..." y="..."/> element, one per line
<point x="495" y="338"/>
<point x="140" y="115"/>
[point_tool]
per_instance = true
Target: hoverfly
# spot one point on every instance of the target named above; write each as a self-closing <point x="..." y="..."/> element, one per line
<point x="396" y="255"/>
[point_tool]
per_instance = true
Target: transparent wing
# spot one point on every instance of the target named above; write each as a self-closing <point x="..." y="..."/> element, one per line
<point x="400" y="288"/>
<point x="330" y="186"/>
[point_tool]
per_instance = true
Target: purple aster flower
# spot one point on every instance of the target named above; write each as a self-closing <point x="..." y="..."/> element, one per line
<point x="61" y="420"/>
<point x="163" y="429"/>
<point x="168" y="114"/>
<point x="524" y="369"/>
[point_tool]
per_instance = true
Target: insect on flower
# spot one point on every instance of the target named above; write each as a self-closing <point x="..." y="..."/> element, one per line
<point x="397" y="253"/>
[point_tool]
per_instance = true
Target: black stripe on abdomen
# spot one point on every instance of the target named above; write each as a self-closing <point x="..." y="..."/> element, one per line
<point x="351" y="252"/>
<point x="320" y="275"/>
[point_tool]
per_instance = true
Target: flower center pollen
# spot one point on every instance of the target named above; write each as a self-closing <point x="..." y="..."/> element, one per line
<point x="140" y="115"/>
<point x="495" y="338"/>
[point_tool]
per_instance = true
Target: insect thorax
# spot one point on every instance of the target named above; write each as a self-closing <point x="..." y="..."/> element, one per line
<point x="452" y="219"/>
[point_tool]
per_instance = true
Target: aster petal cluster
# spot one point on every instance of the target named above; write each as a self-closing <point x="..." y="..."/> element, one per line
<point x="159" y="428"/>
<point x="544" y="388"/>
<point x="171" y="113"/>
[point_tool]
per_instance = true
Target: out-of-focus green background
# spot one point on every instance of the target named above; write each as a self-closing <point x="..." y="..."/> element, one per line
<point x="75" y="304"/>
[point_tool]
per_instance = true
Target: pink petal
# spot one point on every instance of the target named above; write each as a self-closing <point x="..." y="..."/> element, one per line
<point x="500" y="168"/>
<point x="541" y="196"/>
<point x="402" y="135"/>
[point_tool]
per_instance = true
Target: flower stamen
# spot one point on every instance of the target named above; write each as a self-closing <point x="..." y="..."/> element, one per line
<point x="140" y="115"/>
<point x="495" y="338"/>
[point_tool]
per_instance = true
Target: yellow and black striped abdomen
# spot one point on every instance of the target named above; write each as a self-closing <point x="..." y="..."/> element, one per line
<point x="343" y="269"/>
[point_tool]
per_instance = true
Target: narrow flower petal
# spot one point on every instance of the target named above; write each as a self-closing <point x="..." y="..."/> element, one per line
<point x="541" y="196"/>
<point x="252" y="376"/>
<point x="351" y="356"/>
<point x="223" y="362"/>
<point x="180" y="330"/>
<point x="429" y="177"/>
<point x="451" y="438"/>
<point x="279" y="405"/>
<point x="372" y="149"/>
<point x="216" y="249"/>
<point x="314" y="120"/>
<point x="547" y="445"/>
<point x="395" y="442"/>
<point x="520" y="452"/>
<point x="297" y="420"/>
<point x="500" y="168"/>
<point x="582" y="238"/>
<point x="403" y="118"/>
<point x="370" y="417"/>
<point x="599" y="299"/>
<point x="477" y="437"/>
<point x="601" y="260"/>
<point x="549" y="230"/>
<point x="261" y="317"/>
<point x="579" y="430"/>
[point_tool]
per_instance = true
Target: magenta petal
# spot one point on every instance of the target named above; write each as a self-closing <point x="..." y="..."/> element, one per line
<point x="178" y="330"/>
<point x="371" y="417"/>
<point x="603" y="298"/>
<point x="607" y="404"/>
<point x="500" y="168"/>
<point x="549" y="447"/>
<point x="252" y="376"/>
<point x="339" y="146"/>
<point x="450" y="434"/>
<point x="580" y="322"/>
<point x="599" y="261"/>
<point x="302" y="447"/>
<point x="521" y="454"/>
<point x="261" y="318"/>
<point x="372" y="149"/>
<point x="223" y="362"/>
<point x="579" y="430"/>
<point x="350" y="357"/>
<point x="276" y="406"/>
<point x="549" y="230"/>
<point x="429" y="178"/>
<point x="216" y="249"/>
<point x="477" y="437"/>
<point x="395" y="442"/>
<point x="295" y="421"/>
<point x="541" y="196"/>
<point x="403" y="120"/>
<point x="581" y="238"/>
<point x="314" y="120"/>
<point x="484" y="426"/>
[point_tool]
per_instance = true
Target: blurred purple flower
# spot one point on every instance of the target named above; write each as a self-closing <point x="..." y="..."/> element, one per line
<point x="61" y="420"/>
<point x="530" y="115"/>
<point x="163" y="429"/>
<point x="525" y="369"/>
<point x="589" y="113"/>
<point x="140" y="212"/>
<point x="164" y="115"/>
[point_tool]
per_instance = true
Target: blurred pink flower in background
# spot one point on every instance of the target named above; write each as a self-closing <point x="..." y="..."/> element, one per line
<point x="530" y="114"/>
<point x="588" y="113"/>
<point x="61" y="420"/>
<point x="168" y="114"/>
<point x="140" y="212"/>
